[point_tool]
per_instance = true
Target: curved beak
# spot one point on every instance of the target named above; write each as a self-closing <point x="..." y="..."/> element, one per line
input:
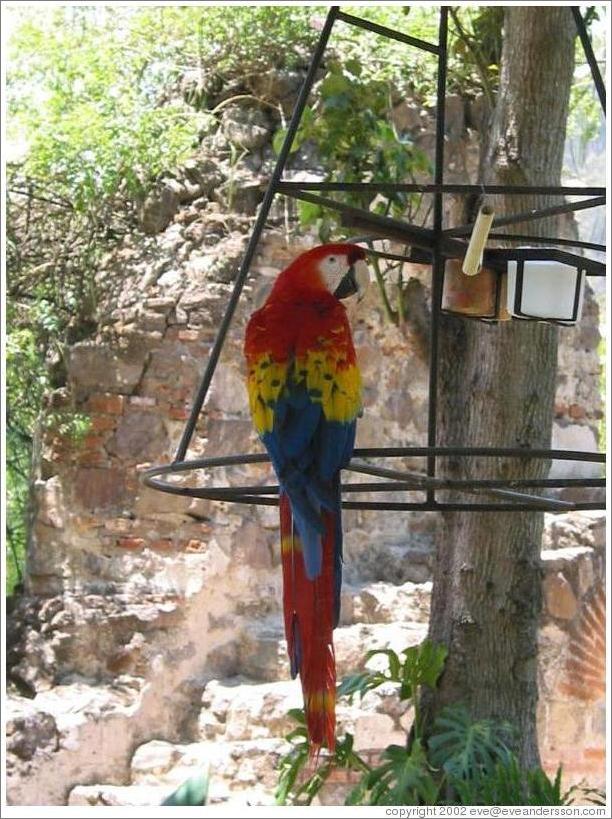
<point x="354" y="282"/>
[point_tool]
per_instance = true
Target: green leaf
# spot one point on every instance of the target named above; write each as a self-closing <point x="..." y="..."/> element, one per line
<point x="404" y="778"/>
<point x="308" y="213"/>
<point x="466" y="748"/>
<point x="279" y="138"/>
<point x="298" y="715"/>
<point x="424" y="663"/>
<point x="393" y="660"/>
<point x="361" y="683"/>
<point x="290" y="765"/>
<point x="192" y="792"/>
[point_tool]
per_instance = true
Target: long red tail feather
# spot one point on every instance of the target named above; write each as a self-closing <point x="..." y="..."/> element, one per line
<point x="309" y="613"/>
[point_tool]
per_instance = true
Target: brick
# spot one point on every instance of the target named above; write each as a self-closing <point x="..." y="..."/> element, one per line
<point x="160" y="303"/>
<point x="142" y="401"/>
<point x="99" y="488"/>
<point x="188" y="335"/>
<point x="163" y="543"/>
<point x="102" y="423"/>
<point x="576" y="411"/>
<point x="130" y="542"/>
<point x="560" y="598"/>
<point x="576" y="689"/>
<point x="595" y="754"/>
<point x="182" y="394"/>
<point x="91" y="441"/>
<point x="106" y="402"/>
<point x="195" y="546"/>
<point x="85" y="521"/>
<point x="178" y="413"/>
<point x="118" y="525"/>
<point x="93" y="457"/>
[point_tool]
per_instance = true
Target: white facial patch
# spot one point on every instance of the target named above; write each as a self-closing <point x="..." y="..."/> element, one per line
<point x="333" y="269"/>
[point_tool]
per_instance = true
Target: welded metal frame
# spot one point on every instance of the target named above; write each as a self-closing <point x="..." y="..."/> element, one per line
<point x="430" y="246"/>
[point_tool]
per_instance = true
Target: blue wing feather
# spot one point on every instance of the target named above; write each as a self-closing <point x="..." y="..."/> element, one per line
<point x="307" y="452"/>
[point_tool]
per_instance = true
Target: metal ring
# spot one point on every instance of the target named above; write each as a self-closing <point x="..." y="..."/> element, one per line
<point x="267" y="495"/>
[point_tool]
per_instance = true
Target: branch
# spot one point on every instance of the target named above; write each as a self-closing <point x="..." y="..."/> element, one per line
<point x="30" y="195"/>
<point x="480" y="63"/>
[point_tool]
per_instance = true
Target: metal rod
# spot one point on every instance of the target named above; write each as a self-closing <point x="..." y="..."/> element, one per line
<point x="394" y="228"/>
<point x="399" y="506"/>
<point x="544" y="240"/>
<point x="388" y="32"/>
<point x="417" y="256"/>
<point x="411" y="482"/>
<point x="495" y="256"/>
<point x="437" y="270"/>
<point x="257" y="230"/>
<point x="286" y="186"/>
<point x="419" y="237"/>
<point x="480" y="452"/>
<point x="589" y="54"/>
<point x="464" y="507"/>
<point x="432" y="483"/>
<point x="530" y="215"/>
<point x="421" y="480"/>
<point x="392" y="452"/>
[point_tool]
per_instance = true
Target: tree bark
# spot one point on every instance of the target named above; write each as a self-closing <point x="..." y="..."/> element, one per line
<point x="496" y="388"/>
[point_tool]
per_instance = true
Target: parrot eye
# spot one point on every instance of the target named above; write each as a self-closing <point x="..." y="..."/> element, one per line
<point x="332" y="265"/>
<point x="332" y="269"/>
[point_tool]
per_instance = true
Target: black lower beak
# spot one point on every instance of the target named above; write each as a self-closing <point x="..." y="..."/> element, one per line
<point x="348" y="285"/>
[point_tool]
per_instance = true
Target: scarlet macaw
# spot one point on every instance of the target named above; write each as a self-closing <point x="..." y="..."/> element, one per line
<point x="305" y="395"/>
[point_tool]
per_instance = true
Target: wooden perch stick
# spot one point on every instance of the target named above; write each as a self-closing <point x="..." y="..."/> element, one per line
<point x="473" y="258"/>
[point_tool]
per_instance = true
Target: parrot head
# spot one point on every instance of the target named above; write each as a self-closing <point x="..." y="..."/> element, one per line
<point x="339" y="269"/>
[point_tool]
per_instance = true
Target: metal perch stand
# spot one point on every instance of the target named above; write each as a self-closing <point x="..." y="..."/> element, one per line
<point x="430" y="246"/>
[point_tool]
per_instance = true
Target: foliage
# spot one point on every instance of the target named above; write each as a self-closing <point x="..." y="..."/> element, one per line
<point x="458" y="761"/>
<point x="403" y="778"/>
<point x="52" y="253"/>
<point x="422" y="665"/>
<point x="27" y="379"/>
<point x="355" y="140"/>
<point x="90" y="126"/>
<point x="466" y="748"/>
<point x="292" y="763"/>
<point x="193" y="792"/>
<point x="586" y="118"/>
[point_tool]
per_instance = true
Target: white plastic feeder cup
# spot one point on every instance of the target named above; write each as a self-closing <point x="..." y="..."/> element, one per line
<point x="546" y="290"/>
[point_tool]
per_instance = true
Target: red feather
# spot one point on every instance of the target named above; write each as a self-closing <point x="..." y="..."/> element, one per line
<point x="308" y="608"/>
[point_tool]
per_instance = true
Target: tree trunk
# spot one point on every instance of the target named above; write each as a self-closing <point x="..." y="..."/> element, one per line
<point x="496" y="388"/>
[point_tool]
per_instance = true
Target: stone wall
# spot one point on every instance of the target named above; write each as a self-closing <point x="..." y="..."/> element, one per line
<point x="151" y="622"/>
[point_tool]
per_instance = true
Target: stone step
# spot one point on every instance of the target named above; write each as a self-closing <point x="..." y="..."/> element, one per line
<point x="240" y="773"/>
<point x="233" y="766"/>
<point x="263" y="653"/>
<point x="118" y="795"/>
<point x="55" y="738"/>
<point x="241" y="709"/>
<point x="154" y="795"/>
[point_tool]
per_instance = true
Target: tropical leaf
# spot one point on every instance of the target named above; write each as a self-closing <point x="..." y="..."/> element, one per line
<point x="360" y="684"/>
<point x="467" y="748"/>
<point x="403" y="778"/>
<point x="424" y="663"/>
<point x="193" y="792"/>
